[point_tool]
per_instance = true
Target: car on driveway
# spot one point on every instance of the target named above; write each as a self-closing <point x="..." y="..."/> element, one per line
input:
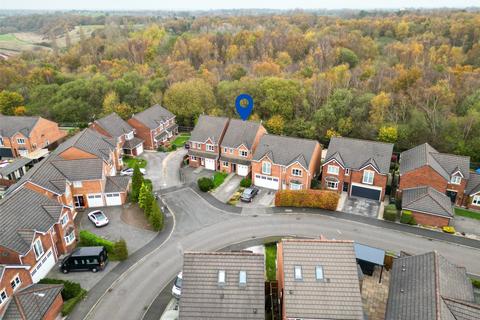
<point x="85" y="258"/>
<point x="129" y="172"/>
<point x="98" y="218"/>
<point x="177" y="286"/>
<point x="248" y="194"/>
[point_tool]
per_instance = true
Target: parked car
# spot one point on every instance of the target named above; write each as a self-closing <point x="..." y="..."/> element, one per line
<point x="85" y="258"/>
<point x="177" y="286"/>
<point x="98" y="218"/>
<point x="248" y="194"/>
<point x="129" y="172"/>
<point x="187" y="145"/>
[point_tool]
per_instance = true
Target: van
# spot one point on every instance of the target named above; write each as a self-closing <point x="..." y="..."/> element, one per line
<point x="85" y="258"/>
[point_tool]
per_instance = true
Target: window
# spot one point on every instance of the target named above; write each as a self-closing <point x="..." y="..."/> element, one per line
<point x="231" y="150"/>
<point x="3" y="296"/>
<point x="242" y="278"/>
<point x="266" y="168"/>
<point x="476" y="200"/>
<point x="332" y="185"/>
<point x="347" y="172"/>
<point x="456" y="179"/>
<point x="295" y="186"/>
<point x="70" y="238"/>
<point x="332" y="169"/>
<point x="16" y="282"/>
<point x="319" y="272"/>
<point x="368" y="176"/>
<point x="34" y="146"/>
<point x="1" y="141"/>
<point x="38" y="248"/>
<point x="221" y="277"/>
<point x="193" y="158"/>
<point x="129" y="136"/>
<point x="225" y="163"/>
<point x="298" y="273"/>
<point x="225" y="150"/>
<point x="210" y="147"/>
<point x="64" y="219"/>
<point x="20" y="141"/>
<point x="77" y="184"/>
<point x="297" y="172"/>
<point x="243" y="153"/>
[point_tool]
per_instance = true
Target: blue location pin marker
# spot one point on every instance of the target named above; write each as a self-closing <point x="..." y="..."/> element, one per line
<point x="244" y="112"/>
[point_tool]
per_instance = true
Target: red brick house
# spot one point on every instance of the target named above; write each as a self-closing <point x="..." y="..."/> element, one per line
<point x="425" y="166"/>
<point x="472" y="192"/>
<point x="116" y="128"/>
<point x="358" y="167"/>
<point x="20" y="136"/>
<point x="238" y="145"/>
<point x="156" y="126"/>
<point x="285" y="163"/>
<point x="13" y="277"/>
<point x="205" y="142"/>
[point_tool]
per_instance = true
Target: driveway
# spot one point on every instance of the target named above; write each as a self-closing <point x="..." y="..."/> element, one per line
<point x="467" y="225"/>
<point x="361" y="206"/>
<point x="226" y="190"/>
<point x="164" y="168"/>
<point x="263" y="199"/>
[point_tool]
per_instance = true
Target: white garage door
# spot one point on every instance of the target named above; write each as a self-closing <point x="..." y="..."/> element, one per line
<point x="95" y="200"/>
<point x="210" y="164"/>
<point x="113" y="199"/>
<point x="44" y="265"/>
<point x="266" y="182"/>
<point x="242" y="170"/>
<point x="139" y="149"/>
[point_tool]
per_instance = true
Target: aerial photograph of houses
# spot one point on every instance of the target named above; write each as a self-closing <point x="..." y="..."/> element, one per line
<point x="250" y="160"/>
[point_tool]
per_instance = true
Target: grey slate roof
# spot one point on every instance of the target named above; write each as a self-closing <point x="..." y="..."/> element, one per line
<point x="154" y="116"/>
<point x="240" y="132"/>
<point x="33" y="302"/>
<point x="427" y="199"/>
<point x="445" y="164"/>
<point x="285" y="150"/>
<point x="117" y="184"/>
<point x="203" y="298"/>
<point x="237" y="160"/>
<point x="114" y="125"/>
<point x="209" y="127"/>
<point x="132" y="143"/>
<point x="80" y="169"/>
<point x="9" y="125"/>
<point x="15" y="165"/>
<point x="337" y="296"/>
<point x="22" y="212"/>
<point x="421" y="285"/>
<point x="462" y="310"/>
<point x="473" y="184"/>
<point x="202" y="154"/>
<point x="356" y="153"/>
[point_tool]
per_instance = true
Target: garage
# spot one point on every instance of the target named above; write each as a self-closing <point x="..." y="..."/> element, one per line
<point x="139" y="150"/>
<point x="242" y="170"/>
<point x="95" y="200"/>
<point x="113" y="199"/>
<point x="266" y="182"/>
<point x="209" y="164"/>
<point x="366" y="192"/>
<point x="43" y="266"/>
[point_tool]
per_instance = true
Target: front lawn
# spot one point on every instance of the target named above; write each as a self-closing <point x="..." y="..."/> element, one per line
<point x="467" y="213"/>
<point x="181" y="139"/>
<point x="218" y="178"/>
<point x="130" y="162"/>
<point x="270" y="257"/>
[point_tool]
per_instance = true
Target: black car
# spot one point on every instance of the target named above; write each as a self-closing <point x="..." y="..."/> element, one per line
<point x="85" y="258"/>
<point x="248" y="194"/>
<point x="187" y="145"/>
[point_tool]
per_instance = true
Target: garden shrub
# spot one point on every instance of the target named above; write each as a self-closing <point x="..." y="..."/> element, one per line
<point x="315" y="184"/>
<point x="246" y="183"/>
<point x="407" y="218"/>
<point x="322" y="199"/>
<point x="71" y="293"/>
<point x="68" y="305"/>
<point x="120" y="250"/>
<point x="390" y="215"/>
<point x="205" y="184"/>
<point x="156" y="216"/>
<point x="476" y="283"/>
<point x="88" y="239"/>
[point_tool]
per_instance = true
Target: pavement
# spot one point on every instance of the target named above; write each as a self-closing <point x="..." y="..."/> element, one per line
<point x="226" y="190"/>
<point x="263" y="199"/>
<point x="361" y="206"/>
<point x="164" y="168"/>
<point x="467" y="225"/>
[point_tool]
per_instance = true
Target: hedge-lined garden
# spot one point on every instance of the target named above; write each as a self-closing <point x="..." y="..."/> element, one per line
<point x="117" y="251"/>
<point x="72" y="293"/>
<point x="322" y="199"/>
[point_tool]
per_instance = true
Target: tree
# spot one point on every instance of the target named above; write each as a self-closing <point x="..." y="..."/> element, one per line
<point x="156" y="216"/>
<point x="120" y="249"/>
<point x="9" y="101"/>
<point x="380" y="104"/>
<point x="142" y="197"/>
<point x="347" y="56"/>
<point x="388" y="134"/>
<point x="275" y="124"/>
<point x="137" y="181"/>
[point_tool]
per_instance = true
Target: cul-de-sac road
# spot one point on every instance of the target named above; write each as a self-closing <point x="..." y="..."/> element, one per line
<point x="201" y="226"/>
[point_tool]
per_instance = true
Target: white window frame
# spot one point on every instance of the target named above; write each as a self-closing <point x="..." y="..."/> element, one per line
<point x="38" y="255"/>
<point x="297" y="273"/>
<point x="225" y="149"/>
<point x="332" y="185"/>
<point x="297" y="186"/>
<point x="129" y="136"/>
<point x="16" y="282"/>
<point x="69" y="238"/>
<point x="319" y="274"/>
<point x="231" y="150"/>
<point x="476" y="200"/>
<point x="242" y="278"/>
<point x="347" y="171"/>
<point x="243" y="153"/>
<point x="222" y="277"/>
<point x="368" y="176"/>
<point x="2" y="299"/>
<point x="456" y="180"/>
<point x="65" y="219"/>
<point x="1" y="141"/>
<point x="21" y="140"/>
<point x="331" y="169"/>
<point x="225" y="163"/>
<point x="193" y="158"/>
<point x="210" y="147"/>
<point x="299" y="172"/>
<point x="266" y="165"/>
<point x="77" y="184"/>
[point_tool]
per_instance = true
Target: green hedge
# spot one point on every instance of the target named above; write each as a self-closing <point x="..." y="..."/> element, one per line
<point x="476" y="283"/>
<point x="390" y="213"/>
<point x="72" y="293"/>
<point x="68" y="305"/>
<point x="407" y="218"/>
<point x="205" y="184"/>
<point x="88" y="239"/>
<point x="246" y="183"/>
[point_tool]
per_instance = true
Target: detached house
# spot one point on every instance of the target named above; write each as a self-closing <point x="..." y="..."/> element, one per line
<point x="223" y="286"/>
<point x="285" y="163"/>
<point x="116" y="128"/>
<point x="425" y="166"/>
<point x="155" y="125"/>
<point x="358" y="167"/>
<point x="13" y="277"/>
<point x="20" y="136"/>
<point x="429" y="287"/>
<point x="472" y="190"/>
<point x="205" y="142"/>
<point x="318" y="279"/>
<point x="238" y="144"/>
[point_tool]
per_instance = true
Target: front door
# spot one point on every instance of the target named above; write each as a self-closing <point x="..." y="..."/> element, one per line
<point x="345" y="186"/>
<point x="79" y="201"/>
<point x="234" y="167"/>
<point x="452" y="195"/>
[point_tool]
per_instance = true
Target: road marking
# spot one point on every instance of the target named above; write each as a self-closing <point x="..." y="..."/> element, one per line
<point x="339" y="232"/>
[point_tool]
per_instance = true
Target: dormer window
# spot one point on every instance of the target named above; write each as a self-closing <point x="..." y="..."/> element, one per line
<point x="38" y="249"/>
<point x="129" y="136"/>
<point x="20" y="141"/>
<point x="456" y="180"/>
<point x="210" y="147"/>
<point x="297" y="172"/>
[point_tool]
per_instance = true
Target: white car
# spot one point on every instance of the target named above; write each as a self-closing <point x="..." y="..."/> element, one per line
<point x="98" y="218"/>
<point x="129" y="172"/>
<point x="177" y="286"/>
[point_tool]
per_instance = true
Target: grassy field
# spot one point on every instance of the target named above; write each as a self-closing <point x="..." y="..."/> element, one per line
<point x="130" y="162"/>
<point x="467" y="213"/>
<point x="270" y="258"/>
<point x="181" y="139"/>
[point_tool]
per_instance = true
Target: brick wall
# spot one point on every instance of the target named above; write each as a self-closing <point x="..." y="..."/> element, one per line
<point x="29" y="258"/>
<point x="143" y="132"/>
<point x="8" y="256"/>
<point x="341" y="175"/>
<point x="424" y="176"/>
<point x="379" y="180"/>
<point x="430" y="220"/>
<point x="276" y="170"/>
<point x="8" y="275"/>
<point x="54" y="309"/>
